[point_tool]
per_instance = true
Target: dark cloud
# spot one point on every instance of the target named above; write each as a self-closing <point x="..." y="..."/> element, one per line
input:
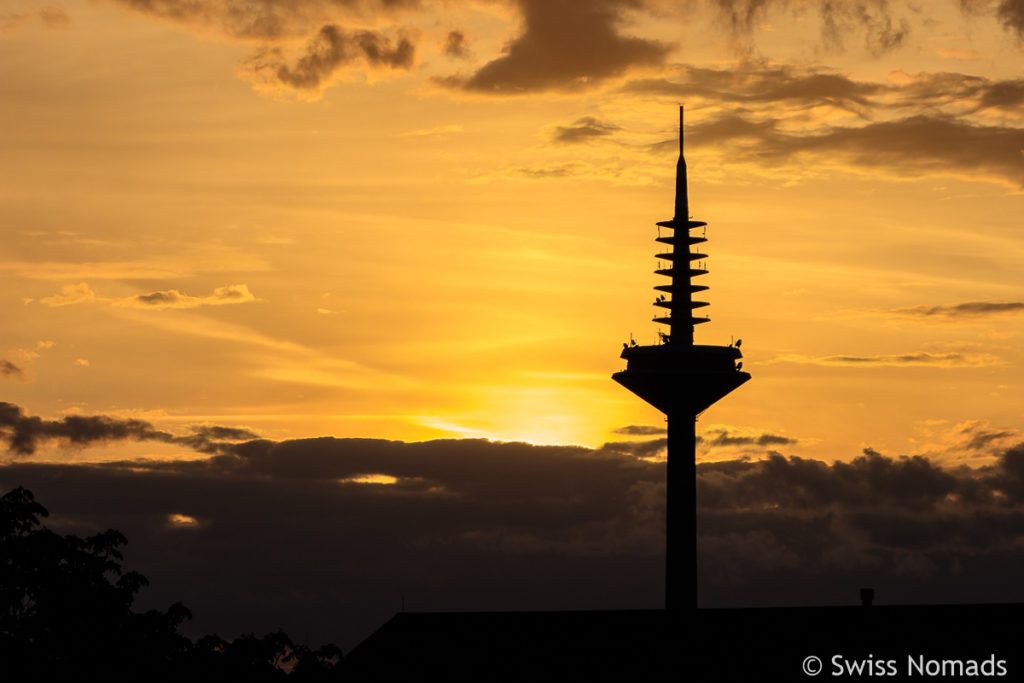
<point x="9" y="369"/>
<point x="943" y="89"/>
<point x="724" y="438"/>
<point x="583" y="129"/>
<point x="283" y="534"/>
<point x="265" y="20"/>
<point x="967" y="309"/>
<point x="760" y="86"/>
<point x="910" y="146"/>
<point x="1007" y="94"/>
<point x="981" y="439"/>
<point x="640" y="430"/>
<point x="1009" y="12"/>
<point x="840" y="19"/>
<point x="637" y="449"/>
<point x="868" y="481"/>
<point x="23" y="434"/>
<point x="330" y="27"/>
<point x="565" y="45"/>
<point x="455" y="45"/>
<point x="332" y="48"/>
<point x="717" y="438"/>
<point x="172" y="298"/>
<point x="882" y="31"/>
<point x="741" y="16"/>
<point x="752" y="84"/>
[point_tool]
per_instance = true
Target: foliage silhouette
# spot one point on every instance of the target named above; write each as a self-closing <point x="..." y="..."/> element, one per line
<point x="65" y="614"/>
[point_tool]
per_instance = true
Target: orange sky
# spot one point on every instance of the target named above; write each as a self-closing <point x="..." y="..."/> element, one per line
<point x="411" y="220"/>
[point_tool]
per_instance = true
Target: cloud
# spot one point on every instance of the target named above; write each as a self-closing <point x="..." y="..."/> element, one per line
<point x="640" y="430"/>
<point x="940" y="136"/>
<point x="968" y="309"/>
<point x="763" y="84"/>
<point x="455" y="45"/>
<point x="340" y="34"/>
<point x="169" y="298"/>
<point x="1009" y="12"/>
<point x="882" y="30"/>
<point x="800" y="484"/>
<point x="981" y="439"/>
<point x="266" y="20"/>
<point x="332" y="48"/>
<point x="437" y="130"/>
<point x="761" y="87"/>
<point x="723" y="437"/>
<point x="901" y="523"/>
<point x="637" y="449"/>
<point x="172" y="298"/>
<point x="23" y="434"/>
<point x="285" y="534"/>
<point x="925" y="358"/>
<point x="565" y="45"/>
<point x="70" y="294"/>
<point x="913" y="146"/>
<point x="583" y="129"/>
<point x="9" y="369"/>
<point x="710" y="440"/>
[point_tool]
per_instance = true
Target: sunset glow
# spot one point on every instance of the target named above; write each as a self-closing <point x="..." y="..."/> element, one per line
<point x="418" y="220"/>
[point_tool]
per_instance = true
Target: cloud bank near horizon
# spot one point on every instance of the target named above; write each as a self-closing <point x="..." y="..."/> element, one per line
<point x="473" y="524"/>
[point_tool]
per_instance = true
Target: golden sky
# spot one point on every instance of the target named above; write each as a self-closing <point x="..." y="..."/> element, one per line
<point x="408" y="219"/>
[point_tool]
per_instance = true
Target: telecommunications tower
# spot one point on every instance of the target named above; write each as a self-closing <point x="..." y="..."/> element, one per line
<point x="681" y="379"/>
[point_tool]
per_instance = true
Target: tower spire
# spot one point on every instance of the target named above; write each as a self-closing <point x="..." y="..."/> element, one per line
<point x="686" y="264"/>
<point x="682" y="212"/>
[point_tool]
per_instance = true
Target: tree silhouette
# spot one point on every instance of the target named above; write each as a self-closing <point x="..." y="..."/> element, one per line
<point x="65" y="614"/>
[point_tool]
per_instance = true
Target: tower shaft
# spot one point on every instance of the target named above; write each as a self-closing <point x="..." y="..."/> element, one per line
<point x="681" y="513"/>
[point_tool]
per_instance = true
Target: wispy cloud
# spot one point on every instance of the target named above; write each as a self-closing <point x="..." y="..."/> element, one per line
<point x="875" y="22"/>
<point x="922" y="358"/>
<point x="172" y="298"/>
<point x="23" y="433"/>
<point x="437" y="130"/>
<point x="968" y="309"/>
<point x="640" y="430"/>
<point x="10" y="370"/>
<point x="169" y="298"/>
<point x="583" y="129"/>
<point x="331" y="49"/>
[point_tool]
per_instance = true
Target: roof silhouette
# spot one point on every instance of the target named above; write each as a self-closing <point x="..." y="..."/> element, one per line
<point x="702" y="645"/>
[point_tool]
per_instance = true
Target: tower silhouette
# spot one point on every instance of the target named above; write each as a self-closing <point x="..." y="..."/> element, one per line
<point x="681" y="379"/>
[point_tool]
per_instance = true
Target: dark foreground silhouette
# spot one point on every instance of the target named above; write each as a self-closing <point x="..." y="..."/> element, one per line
<point x="65" y="614"/>
<point x="890" y="643"/>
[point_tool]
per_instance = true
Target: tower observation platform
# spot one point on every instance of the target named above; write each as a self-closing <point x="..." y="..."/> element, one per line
<point x="682" y="380"/>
